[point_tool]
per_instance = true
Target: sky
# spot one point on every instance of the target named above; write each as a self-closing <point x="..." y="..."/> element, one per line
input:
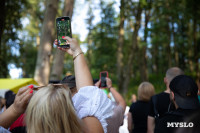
<point x="79" y="26"/>
<point x="80" y="15"/>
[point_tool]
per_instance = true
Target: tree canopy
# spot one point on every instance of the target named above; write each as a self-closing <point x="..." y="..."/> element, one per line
<point x="133" y="40"/>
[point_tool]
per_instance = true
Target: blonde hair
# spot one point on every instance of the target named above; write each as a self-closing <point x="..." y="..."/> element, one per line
<point x="51" y="110"/>
<point x="145" y="91"/>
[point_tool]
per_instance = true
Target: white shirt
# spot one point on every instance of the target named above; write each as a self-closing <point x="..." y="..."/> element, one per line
<point x="3" y="130"/>
<point x="92" y="101"/>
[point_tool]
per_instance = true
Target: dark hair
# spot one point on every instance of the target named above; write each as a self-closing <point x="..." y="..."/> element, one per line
<point x="10" y="97"/>
<point x="8" y="94"/>
<point x="1" y="104"/>
<point x="70" y="81"/>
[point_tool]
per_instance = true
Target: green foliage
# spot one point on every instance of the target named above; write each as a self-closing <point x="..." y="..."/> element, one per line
<point x="171" y="37"/>
<point x="14" y="10"/>
<point x="156" y="80"/>
<point x="28" y="58"/>
<point x="31" y="37"/>
<point x="35" y="15"/>
<point x="172" y="22"/>
<point x="104" y="42"/>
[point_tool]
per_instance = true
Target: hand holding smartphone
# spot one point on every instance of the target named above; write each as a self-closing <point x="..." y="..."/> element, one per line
<point x="63" y="25"/>
<point x="103" y="76"/>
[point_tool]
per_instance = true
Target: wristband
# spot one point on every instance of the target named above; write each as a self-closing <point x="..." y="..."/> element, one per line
<point x="109" y="88"/>
<point x="77" y="55"/>
<point x="15" y="109"/>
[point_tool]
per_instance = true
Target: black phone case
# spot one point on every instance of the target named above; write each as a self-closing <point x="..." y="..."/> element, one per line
<point x="103" y="76"/>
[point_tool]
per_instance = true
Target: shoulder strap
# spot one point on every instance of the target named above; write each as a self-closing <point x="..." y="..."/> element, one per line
<point x="154" y="100"/>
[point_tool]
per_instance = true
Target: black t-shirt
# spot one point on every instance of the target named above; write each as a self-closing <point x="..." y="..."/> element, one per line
<point x="139" y="111"/>
<point x="163" y="125"/>
<point x="163" y="102"/>
<point x="19" y="130"/>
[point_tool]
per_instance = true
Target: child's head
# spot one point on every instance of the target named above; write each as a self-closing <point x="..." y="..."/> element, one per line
<point x="51" y="110"/>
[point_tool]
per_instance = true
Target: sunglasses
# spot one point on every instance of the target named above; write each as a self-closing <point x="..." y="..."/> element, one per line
<point x="39" y="87"/>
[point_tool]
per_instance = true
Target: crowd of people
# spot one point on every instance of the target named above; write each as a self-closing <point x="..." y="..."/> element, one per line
<point x="171" y="111"/>
<point x="77" y="104"/>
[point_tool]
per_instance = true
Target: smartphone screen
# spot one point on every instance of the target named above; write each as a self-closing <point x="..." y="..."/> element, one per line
<point x="63" y="25"/>
<point x="103" y="76"/>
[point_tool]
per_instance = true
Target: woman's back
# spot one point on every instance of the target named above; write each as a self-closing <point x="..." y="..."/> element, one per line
<point x="139" y="111"/>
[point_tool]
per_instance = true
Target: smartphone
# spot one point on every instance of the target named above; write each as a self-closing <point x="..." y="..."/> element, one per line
<point x="63" y="25"/>
<point x="103" y="76"/>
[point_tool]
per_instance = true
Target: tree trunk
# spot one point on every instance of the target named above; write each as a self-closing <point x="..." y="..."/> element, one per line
<point x="89" y="51"/>
<point x="196" y="50"/>
<point x="2" y="18"/>
<point x="190" y="50"/>
<point x="168" y="48"/>
<point x="155" y="53"/>
<point x="176" y="53"/>
<point x="183" y="56"/>
<point x="89" y="38"/>
<point x="58" y="61"/>
<point x="143" y="64"/>
<point x="3" y="54"/>
<point x="143" y="56"/>
<point x="120" y="47"/>
<point x="48" y="31"/>
<point x="134" y="48"/>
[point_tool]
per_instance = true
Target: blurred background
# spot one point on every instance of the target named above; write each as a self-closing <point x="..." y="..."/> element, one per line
<point x="134" y="40"/>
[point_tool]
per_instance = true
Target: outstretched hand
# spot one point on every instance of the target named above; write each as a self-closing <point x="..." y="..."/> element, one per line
<point x="108" y="82"/>
<point x="98" y="83"/>
<point x="74" y="47"/>
<point x="22" y="98"/>
<point x="17" y="108"/>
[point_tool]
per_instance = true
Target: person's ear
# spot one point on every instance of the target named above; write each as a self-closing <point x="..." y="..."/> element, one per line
<point x="172" y="95"/>
<point x="165" y="80"/>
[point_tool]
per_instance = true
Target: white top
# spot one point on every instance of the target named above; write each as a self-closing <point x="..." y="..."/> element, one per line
<point x="3" y="130"/>
<point x="92" y="101"/>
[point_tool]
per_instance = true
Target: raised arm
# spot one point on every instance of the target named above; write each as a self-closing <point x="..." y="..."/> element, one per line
<point x="83" y="78"/>
<point x="17" y="108"/>
<point x="118" y="98"/>
<point x="82" y="73"/>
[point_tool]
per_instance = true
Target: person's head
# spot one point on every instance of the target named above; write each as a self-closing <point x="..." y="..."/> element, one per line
<point x="145" y="91"/>
<point x="133" y="98"/>
<point x="2" y="102"/>
<point x="10" y="100"/>
<point x="8" y="94"/>
<point x="51" y="110"/>
<point x="70" y="81"/>
<point x="183" y="92"/>
<point x="10" y="97"/>
<point x="171" y="73"/>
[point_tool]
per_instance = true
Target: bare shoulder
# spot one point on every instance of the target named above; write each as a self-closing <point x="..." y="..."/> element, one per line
<point x="92" y="125"/>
